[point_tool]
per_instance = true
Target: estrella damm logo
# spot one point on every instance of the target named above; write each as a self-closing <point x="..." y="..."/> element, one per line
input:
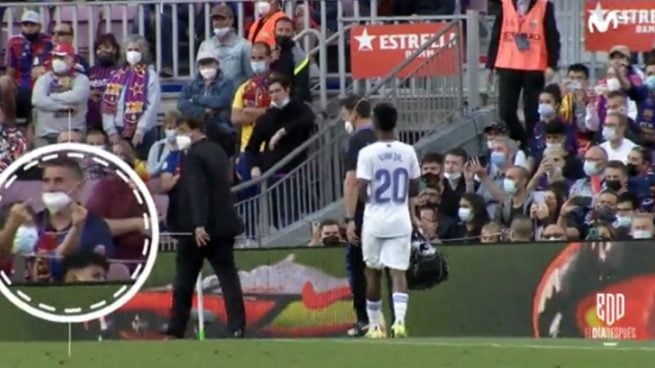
<point x="610" y="308"/>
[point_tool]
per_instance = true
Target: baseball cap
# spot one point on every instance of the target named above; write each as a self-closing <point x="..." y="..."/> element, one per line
<point x="496" y="126"/>
<point x="222" y="10"/>
<point x="64" y="49"/>
<point x="31" y="16"/>
<point x="620" y="49"/>
<point x="206" y="55"/>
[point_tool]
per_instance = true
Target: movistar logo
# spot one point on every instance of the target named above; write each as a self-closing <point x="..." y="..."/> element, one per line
<point x="601" y="19"/>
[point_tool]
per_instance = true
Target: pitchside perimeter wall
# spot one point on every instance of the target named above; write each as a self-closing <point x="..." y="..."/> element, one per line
<point x="567" y="290"/>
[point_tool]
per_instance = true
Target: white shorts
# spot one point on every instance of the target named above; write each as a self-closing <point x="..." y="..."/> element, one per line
<point x="382" y="253"/>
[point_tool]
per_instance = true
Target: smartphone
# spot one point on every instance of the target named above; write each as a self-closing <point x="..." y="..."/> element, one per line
<point x="539" y="197"/>
<point x="582" y="201"/>
<point x="484" y="160"/>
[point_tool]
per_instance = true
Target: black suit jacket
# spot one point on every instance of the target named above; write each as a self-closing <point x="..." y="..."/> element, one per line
<point x="203" y="198"/>
<point x="553" y="45"/>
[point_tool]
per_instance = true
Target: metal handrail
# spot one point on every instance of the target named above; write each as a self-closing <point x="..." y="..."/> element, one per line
<point x="321" y="134"/>
<point x="322" y="61"/>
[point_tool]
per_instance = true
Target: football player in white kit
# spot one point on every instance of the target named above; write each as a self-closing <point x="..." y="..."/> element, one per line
<point x="388" y="173"/>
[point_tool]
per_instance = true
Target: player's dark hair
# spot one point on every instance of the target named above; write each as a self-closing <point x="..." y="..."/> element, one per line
<point x="614" y="94"/>
<point x="67" y="163"/>
<point x="616" y="164"/>
<point x="359" y="104"/>
<point x="263" y="45"/>
<point x="630" y="198"/>
<point x="458" y="152"/>
<point x="579" y="68"/>
<point x="555" y="91"/>
<point x="385" y="117"/>
<point x="83" y="259"/>
<point x="432" y="157"/>
<point x="288" y="20"/>
<point x="281" y="79"/>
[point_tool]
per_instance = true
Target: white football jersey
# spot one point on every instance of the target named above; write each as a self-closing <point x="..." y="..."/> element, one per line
<point x="388" y="166"/>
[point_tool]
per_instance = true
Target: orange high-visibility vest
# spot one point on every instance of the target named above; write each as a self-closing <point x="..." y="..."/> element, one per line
<point x="267" y="32"/>
<point x="532" y="25"/>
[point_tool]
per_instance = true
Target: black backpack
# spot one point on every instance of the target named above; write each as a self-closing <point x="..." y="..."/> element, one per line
<point x="428" y="267"/>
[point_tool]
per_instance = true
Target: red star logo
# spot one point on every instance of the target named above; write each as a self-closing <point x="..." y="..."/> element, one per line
<point x="137" y="89"/>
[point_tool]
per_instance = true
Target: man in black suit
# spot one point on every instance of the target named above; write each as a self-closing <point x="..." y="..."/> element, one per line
<point x="201" y="203"/>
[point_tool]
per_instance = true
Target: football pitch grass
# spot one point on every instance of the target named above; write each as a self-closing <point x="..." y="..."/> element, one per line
<point x="332" y="353"/>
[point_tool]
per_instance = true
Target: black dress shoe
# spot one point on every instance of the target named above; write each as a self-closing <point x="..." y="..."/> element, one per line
<point x="239" y="333"/>
<point x="168" y="331"/>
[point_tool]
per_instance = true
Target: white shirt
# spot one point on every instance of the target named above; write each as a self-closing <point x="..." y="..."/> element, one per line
<point x="388" y="167"/>
<point x="621" y="153"/>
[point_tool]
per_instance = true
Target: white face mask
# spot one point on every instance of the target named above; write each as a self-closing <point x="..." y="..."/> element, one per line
<point x="609" y="133"/>
<point x="183" y="142"/>
<point x="281" y="104"/>
<point x="452" y="176"/>
<point x="56" y="202"/>
<point x="208" y="73"/>
<point x="263" y="8"/>
<point x="509" y="186"/>
<point x="25" y="240"/>
<point x="133" y="57"/>
<point x="170" y="134"/>
<point x="59" y="66"/>
<point x="465" y="214"/>
<point x="222" y="32"/>
<point x="613" y="84"/>
<point x="259" y="67"/>
<point x="641" y="234"/>
<point x="350" y="128"/>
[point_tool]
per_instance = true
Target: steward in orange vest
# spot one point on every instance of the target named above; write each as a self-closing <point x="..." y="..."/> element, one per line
<point x="524" y="50"/>
<point x="263" y="30"/>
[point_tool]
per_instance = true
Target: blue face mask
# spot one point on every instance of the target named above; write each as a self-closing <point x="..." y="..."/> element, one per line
<point x="25" y="240"/>
<point x="498" y="159"/>
<point x="650" y="82"/>
<point x="546" y="111"/>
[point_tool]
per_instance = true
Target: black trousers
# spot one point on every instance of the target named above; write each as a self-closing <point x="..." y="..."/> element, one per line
<point x="510" y="85"/>
<point x="188" y="263"/>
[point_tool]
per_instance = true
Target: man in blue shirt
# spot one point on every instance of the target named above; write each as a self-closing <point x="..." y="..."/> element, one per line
<point x="63" y="180"/>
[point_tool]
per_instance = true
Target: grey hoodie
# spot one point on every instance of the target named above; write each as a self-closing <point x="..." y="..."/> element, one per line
<point x="50" y="118"/>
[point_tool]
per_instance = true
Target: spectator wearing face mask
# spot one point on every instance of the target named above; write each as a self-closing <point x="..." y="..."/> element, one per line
<point x="472" y="216"/>
<point x="64" y="34"/>
<point x="26" y="54"/>
<point x="616" y="144"/>
<point x="132" y="99"/>
<point x="251" y="101"/>
<point x="60" y="98"/>
<point x="593" y="167"/>
<point x="208" y="99"/>
<point x="171" y="169"/>
<point x="553" y="233"/>
<point x="454" y="182"/>
<point x="431" y="169"/>
<point x="616" y="177"/>
<point x="492" y="176"/>
<point x="517" y="200"/>
<point x="330" y="233"/>
<point x="285" y="125"/>
<point x="163" y="147"/>
<point x="550" y="101"/>
<point x="263" y="30"/>
<point x="642" y="226"/>
<point x="622" y="71"/>
<point x="290" y="60"/>
<point x="232" y="50"/>
<point x="625" y="211"/>
<point x="107" y="52"/>
<point x="490" y="233"/>
<point x="640" y="172"/>
<point x="578" y="219"/>
<point x="498" y="131"/>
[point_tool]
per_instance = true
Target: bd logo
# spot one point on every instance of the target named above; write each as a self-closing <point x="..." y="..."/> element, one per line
<point x="610" y="308"/>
